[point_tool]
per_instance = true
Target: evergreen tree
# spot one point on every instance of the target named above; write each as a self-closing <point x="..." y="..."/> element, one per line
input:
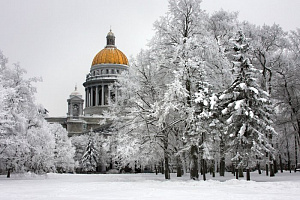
<point x="89" y="158"/>
<point x="246" y="109"/>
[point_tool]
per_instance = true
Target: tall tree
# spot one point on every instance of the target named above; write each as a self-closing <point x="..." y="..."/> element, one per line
<point x="26" y="140"/>
<point x="189" y="51"/>
<point x="89" y="158"/>
<point x="247" y="109"/>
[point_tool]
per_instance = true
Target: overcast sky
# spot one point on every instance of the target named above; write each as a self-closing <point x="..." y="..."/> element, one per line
<point x="58" y="39"/>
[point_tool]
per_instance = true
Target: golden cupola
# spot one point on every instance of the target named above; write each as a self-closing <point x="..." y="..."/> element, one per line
<point x="110" y="54"/>
<point x="107" y="67"/>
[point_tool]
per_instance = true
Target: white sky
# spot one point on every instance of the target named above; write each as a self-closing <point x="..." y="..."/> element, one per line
<point x="58" y="39"/>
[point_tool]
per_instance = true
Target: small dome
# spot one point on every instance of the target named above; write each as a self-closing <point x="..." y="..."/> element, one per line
<point x="75" y="92"/>
<point x="110" y="56"/>
<point x="110" y="33"/>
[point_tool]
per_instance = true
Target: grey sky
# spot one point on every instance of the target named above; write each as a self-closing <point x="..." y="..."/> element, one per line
<point x="58" y="39"/>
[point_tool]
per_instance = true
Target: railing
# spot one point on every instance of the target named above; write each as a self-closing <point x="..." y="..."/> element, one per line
<point x="103" y="76"/>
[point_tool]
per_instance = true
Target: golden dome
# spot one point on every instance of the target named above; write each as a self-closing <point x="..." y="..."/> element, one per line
<point x="110" y="55"/>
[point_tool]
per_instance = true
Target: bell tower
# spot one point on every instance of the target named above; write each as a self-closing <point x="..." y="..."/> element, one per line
<point x="75" y="105"/>
<point x="75" y="122"/>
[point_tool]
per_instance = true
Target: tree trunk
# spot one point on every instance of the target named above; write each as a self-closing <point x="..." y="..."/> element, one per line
<point x="236" y="173"/>
<point x="271" y="169"/>
<point x="296" y="151"/>
<point x="194" y="163"/>
<point x="185" y="166"/>
<point x="258" y="167"/>
<point x="213" y="169"/>
<point x="289" y="163"/>
<point x="166" y="157"/>
<point x="162" y="167"/>
<point x="280" y="163"/>
<point x="288" y="155"/>
<point x="241" y="174"/>
<point x="275" y="166"/>
<point x="271" y="159"/>
<point x="267" y="169"/>
<point x="179" y="166"/>
<point x="248" y="174"/>
<point x="8" y="173"/>
<point x="222" y="159"/>
<point x="233" y="169"/>
<point x="204" y="169"/>
<point x="222" y="166"/>
<point x="167" y="170"/>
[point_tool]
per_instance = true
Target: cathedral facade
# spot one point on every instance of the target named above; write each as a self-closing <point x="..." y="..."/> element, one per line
<point x="83" y="116"/>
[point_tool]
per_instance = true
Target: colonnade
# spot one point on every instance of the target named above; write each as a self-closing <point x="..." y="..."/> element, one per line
<point x="99" y="95"/>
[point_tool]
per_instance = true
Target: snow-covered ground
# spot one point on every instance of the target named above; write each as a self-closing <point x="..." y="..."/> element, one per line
<point x="148" y="186"/>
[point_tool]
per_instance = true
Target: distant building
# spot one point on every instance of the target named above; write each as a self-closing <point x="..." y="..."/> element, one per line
<point x="105" y="69"/>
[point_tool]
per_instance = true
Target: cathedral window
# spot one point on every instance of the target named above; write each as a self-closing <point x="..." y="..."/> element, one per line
<point x="75" y="110"/>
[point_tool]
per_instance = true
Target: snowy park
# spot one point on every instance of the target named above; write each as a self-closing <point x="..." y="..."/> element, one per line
<point x="148" y="186"/>
<point x="208" y="94"/>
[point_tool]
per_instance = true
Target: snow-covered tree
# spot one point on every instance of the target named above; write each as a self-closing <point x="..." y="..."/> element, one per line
<point x="286" y="94"/>
<point x="64" y="151"/>
<point x="41" y="145"/>
<point x="136" y="139"/>
<point x="101" y="146"/>
<point x="19" y="116"/>
<point x="26" y="140"/>
<point x="267" y="43"/>
<point x="157" y="95"/>
<point x="89" y="158"/>
<point x="247" y="109"/>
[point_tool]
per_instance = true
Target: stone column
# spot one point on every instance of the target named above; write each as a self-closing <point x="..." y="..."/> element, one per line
<point x="86" y="97"/>
<point x="116" y="94"/>
<point x="92" y="96"/>
<point x="102" y="98"/>
<point x="80" y="109"/>
<point x="97" y="96"/>
<point x="89" y="96"/>
<point x="108" y="93"/>
<point x="71" y="110"/>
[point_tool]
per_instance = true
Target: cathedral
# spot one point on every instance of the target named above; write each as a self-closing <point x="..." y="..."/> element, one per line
<point x="84" y="116"/>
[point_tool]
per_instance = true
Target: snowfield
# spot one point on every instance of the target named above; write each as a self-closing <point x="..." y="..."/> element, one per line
<point x="148" y="186"/>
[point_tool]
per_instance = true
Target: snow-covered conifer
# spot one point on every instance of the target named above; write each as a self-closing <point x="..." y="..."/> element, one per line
<point x="247" y="109"/>
<point x="89" y="158"/>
